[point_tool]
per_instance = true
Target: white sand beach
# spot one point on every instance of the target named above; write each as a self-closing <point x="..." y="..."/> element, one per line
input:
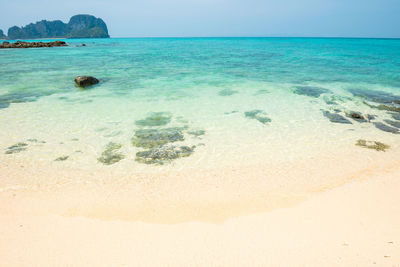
<point x="357" y="224"/>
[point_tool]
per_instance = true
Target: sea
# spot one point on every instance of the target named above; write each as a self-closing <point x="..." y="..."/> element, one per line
<point x="200" y="120"/>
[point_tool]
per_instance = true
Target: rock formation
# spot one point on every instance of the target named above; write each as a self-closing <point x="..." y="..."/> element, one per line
<point x="20" y="44"/>
<point x="83" y="81"/>
<point x="79" y="26"/>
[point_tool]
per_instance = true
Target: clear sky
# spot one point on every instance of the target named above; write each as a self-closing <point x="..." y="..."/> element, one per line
<point x="131" y="18"/>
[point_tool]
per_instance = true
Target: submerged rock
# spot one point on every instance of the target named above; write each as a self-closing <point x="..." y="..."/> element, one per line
<point x="335" y="118"/>
<point x="155" y="119"/>
<point x="395" y="116"/>
<point x="84" y="81"/>
<point x="20" y="97"/>
<point x="310" y="91"/>
<point x="330" y="102"/>
<point x="149" y="138"/>
<point x="16" y="148"/>
<point x="62" y="158"/>
<point x="376" y="96"/>
<point x="110" y="155"/>
<point x="392" y="108"/>
<point x="393" y="123"/>
<point x="163" y="154"/>
<point x="378" y="146"/>
<point x="383" y="127"/>
<point x="259" y="115"/>
<point x="357" y="116"/>
<point x="227" y="92"/>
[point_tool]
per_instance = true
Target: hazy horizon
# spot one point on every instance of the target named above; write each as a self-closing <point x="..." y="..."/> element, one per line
<point x="220" y="18"/>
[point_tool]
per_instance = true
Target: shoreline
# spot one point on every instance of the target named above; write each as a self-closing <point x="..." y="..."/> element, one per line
<point x="176" y="196"/>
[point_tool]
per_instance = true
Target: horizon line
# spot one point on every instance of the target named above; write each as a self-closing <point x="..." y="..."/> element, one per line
<point x="277" y="36"/>
<point x="204" y="37"/>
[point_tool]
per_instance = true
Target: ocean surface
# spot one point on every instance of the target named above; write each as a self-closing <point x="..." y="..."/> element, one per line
<point x="272" y="113"/>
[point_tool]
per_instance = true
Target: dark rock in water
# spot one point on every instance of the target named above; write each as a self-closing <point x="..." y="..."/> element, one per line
<point x="62" y="158"/>
<point x="310" y="91"/>
<point x="79" y="26"/>
<point x="84" y="81"/>
<point x="163" y="154"/>
<point x="335" y="118"/>
<point x="357" y="116"/>
<point x="83" y="44"/>
<point x="110" y="155"/>
<point x="378" y="146"/>
<point x="155" y="119"/>
<point x="393" y="123"/>
<point x="21" y="44"/>
<point x="383" y="127"/>
<point x="376" y="96"/>
<point x="149" y="138"/>
<point x="259" y="115"/>
<point x="16" y="148"/>
<point x="227" y="92"/>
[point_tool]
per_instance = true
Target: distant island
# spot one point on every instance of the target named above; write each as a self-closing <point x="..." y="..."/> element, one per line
<point x="79" y="26"/>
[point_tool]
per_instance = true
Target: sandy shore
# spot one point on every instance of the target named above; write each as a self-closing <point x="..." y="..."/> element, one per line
<point x="357" y="224"/>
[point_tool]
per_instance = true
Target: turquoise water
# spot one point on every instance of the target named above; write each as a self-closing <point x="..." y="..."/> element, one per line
<point x="229" y="98"/>
<point x="171" y="65"/>
<point x="190" y="128"/>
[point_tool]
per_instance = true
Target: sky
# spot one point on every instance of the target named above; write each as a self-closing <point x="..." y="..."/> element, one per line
<point x="201" y="18"/>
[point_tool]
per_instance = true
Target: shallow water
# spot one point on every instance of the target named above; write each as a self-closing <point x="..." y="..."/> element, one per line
<point x="275" y="109"/>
